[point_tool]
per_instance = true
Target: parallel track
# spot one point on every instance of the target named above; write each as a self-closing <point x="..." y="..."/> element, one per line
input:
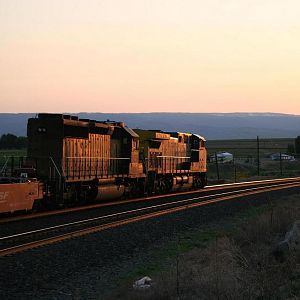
<point x="70" y="230"/>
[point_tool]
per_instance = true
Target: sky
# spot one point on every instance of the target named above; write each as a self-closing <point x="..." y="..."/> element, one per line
<point x="150" y="56"/>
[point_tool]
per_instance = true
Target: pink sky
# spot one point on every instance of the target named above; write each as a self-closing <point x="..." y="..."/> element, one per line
<point x="142" y="56"/>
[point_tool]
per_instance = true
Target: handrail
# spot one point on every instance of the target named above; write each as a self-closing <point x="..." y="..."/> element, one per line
<point x="4" y="166"/>
<point x="91" y="157"/>
<point x="55" y="166"/>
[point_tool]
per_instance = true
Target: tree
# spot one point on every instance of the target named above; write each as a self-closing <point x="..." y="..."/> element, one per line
<point x="22" y="142"/>
<point x="10" y="141"/>
<point x="297" y="145"/>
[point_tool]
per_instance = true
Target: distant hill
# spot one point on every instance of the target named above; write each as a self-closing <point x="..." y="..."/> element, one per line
<point x="210" y="125"/>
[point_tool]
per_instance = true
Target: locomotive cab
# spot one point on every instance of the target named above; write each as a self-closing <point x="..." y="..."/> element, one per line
<point x="82" y="159"/>
<point x="173" y="161"/>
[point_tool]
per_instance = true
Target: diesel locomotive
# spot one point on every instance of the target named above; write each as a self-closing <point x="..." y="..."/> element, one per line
<point x="71" y="160"/>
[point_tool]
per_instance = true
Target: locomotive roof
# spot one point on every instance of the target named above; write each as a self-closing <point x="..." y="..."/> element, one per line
<point x="176" y="134"/>
<point x="131" y="132"/>
<point x="76" y="121"/>
<point x="200" y="137"/>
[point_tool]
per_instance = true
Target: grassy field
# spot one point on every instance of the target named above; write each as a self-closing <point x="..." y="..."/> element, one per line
<point x="249" y="147"/>
<point x="7" y="154"/>
<point x="231" y="259"/>
<point x="246" y="165"/>
<point x="13" y="152"/>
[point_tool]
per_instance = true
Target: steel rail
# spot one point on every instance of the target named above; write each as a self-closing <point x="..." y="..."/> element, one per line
<point x="120" y="202"/>
<point x="98" y="228"/>
<point x="128" y="212"/>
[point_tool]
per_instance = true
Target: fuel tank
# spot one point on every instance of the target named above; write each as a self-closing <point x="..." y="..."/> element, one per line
<point x="182" y="183"/>
<point x="109" y="191"/>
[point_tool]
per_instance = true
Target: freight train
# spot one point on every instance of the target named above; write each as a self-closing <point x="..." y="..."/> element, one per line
<point x="72" y="161"/>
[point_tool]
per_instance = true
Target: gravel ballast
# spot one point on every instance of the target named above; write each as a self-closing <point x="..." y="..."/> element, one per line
<point x="91" y="266"/>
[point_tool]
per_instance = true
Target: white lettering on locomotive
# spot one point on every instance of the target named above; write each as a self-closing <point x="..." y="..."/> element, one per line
<point x="3" y="196"/>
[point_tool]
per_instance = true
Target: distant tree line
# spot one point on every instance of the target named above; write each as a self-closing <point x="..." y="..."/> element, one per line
<point x="11" y="141"/>
<point x="297" y="145"/>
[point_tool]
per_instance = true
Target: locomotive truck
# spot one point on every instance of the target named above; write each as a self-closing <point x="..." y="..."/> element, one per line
<point x="71" y="161"/>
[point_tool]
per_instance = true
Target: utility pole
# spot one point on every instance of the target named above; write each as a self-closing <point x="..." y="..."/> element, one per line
<point x="280" y="164"/>
<point x="217" y="166"/>
<point x="258" y="161"/>
<point x="234" y="168"/>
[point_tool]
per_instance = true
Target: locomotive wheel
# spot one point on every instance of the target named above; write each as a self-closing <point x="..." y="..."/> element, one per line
<point x="37" y="206"/>
<point x="161" y="186"/>
<point x="135" y="189"/>
<point x="198" y="182"/>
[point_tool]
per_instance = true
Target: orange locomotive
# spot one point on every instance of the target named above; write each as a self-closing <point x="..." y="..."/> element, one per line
<point x="79" y="160"/>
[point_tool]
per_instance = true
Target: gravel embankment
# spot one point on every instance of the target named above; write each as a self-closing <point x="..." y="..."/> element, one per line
<point x="89" y="267"/>
<point x="56" y="219"/>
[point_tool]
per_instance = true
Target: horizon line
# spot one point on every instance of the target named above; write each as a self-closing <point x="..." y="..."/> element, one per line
<point x="158" y="112"/>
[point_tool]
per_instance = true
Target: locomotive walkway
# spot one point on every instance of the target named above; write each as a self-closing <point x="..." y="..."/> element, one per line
<point x="125" y="212"/>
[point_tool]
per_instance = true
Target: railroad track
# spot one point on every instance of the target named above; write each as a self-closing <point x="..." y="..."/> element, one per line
<point x="62" y="211"/>
<point x="44" y="236"/>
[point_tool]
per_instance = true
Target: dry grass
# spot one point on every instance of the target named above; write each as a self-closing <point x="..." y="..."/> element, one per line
<point x="238" y="265"/>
